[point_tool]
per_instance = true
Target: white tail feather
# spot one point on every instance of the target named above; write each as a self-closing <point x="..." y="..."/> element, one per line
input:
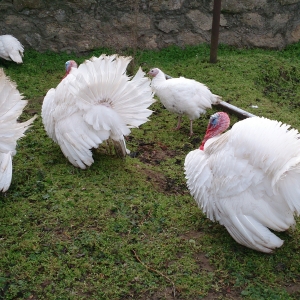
<point x="11" y="107"/>
<point x="96" y="102"/>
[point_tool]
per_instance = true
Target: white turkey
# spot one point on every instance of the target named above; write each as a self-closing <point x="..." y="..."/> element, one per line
<point x="247" y="179"/>
<point x="182" y="96"/>
<point x="11" y="107"/>
<point x="11" y="48"/>
<point x="93" y="103"/>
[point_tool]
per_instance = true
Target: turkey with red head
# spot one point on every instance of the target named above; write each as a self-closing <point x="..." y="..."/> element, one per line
<point x="247" y="179"/>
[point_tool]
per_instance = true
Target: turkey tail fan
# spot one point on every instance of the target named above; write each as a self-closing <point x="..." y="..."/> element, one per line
<point x="104" y="81"/>
<point x="11" y="107"/>
<point x="94" y="103"/>
<point x="11" y="102"/>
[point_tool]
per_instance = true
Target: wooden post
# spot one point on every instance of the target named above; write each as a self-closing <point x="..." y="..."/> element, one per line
<point x="215" y="31"/>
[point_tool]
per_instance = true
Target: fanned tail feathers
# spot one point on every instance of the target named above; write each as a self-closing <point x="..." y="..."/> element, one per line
<point x="104" y="81"/>
<point x="95" y="102"/>
<point x="11" y="107"/>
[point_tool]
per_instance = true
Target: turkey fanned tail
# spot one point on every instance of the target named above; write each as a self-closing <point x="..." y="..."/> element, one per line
<point x="11" y="107"/>
<point x="95" y="103"/>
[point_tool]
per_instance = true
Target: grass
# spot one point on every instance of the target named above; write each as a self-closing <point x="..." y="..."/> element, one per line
<point x="128" y="229"/>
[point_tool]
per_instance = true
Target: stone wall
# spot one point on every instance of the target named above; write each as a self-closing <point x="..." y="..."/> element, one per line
<point x="81" y="25"/>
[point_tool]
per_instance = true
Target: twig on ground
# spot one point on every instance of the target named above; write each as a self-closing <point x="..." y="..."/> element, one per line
<point x="155" y="271"/>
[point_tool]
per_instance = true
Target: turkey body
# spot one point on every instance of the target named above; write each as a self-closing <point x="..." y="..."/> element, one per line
<point x="182" y="96"/>
<point x="11" y="107"/>
<point x="11" y="48"/>
<point x="95" y="102"/>
<point x="248" y="179"/>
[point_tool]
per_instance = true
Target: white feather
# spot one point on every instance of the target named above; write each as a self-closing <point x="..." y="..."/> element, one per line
<point x="249" y="180"/>
<point x="11" y="48"/>
<point x="96" y="102"/>
<point x="11" y="107"/>
<point x="183" y="96"/>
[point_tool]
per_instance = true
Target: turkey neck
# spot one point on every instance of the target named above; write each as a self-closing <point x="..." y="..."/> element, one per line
<point x="158" y="79"/>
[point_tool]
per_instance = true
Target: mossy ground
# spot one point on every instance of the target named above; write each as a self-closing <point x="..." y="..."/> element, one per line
<point x="129" y="229"/>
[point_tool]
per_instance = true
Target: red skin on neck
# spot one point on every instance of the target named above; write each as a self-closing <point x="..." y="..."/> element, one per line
<point x="210" y="132"/>
<point x="216" y="129"/>
<point x="67" y="73"/>
<point x="71" y="65"/>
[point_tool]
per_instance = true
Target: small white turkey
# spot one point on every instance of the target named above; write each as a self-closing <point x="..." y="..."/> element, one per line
<point x="11" y="48"/>
<point x="247" y="179"/>
<point x="182" y="96"/>
<point x="93" y="103"/>
<point x="11" y="107"/>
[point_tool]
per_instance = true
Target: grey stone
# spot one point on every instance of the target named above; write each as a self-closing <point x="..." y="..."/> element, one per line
<point x="168" y="26"/>
<point x="200" y="20"/>
<point x="81" y="25"/>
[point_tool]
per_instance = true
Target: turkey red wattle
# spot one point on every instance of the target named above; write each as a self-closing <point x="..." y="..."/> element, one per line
<point x="68" y="66"/>
<point x="218" y="123"/>
<point x="248" y="179"/>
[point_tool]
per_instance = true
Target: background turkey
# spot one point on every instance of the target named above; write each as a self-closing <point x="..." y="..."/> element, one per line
<point x="11" y="107"/>
<point x="94" y="103"/>
<point x="182" y="96"/>
<point x="247" y="179"/>
<point x="11" y="48"/>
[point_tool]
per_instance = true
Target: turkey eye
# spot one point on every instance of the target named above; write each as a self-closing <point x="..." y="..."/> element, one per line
<point x="214" y="121"/>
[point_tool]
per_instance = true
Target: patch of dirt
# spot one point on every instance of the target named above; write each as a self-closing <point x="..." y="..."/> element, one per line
<point x="192" y="235"/>
<point x="294" y="289"/>
<point x="200" y="258"/>
<point x="167" y="294"/>
<point x="150" y="154"/>
<point x="153" y="154"/>
<point x="162" y="183"/>
<point x="33" y="106"/>
<point x="227" y="294"/>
